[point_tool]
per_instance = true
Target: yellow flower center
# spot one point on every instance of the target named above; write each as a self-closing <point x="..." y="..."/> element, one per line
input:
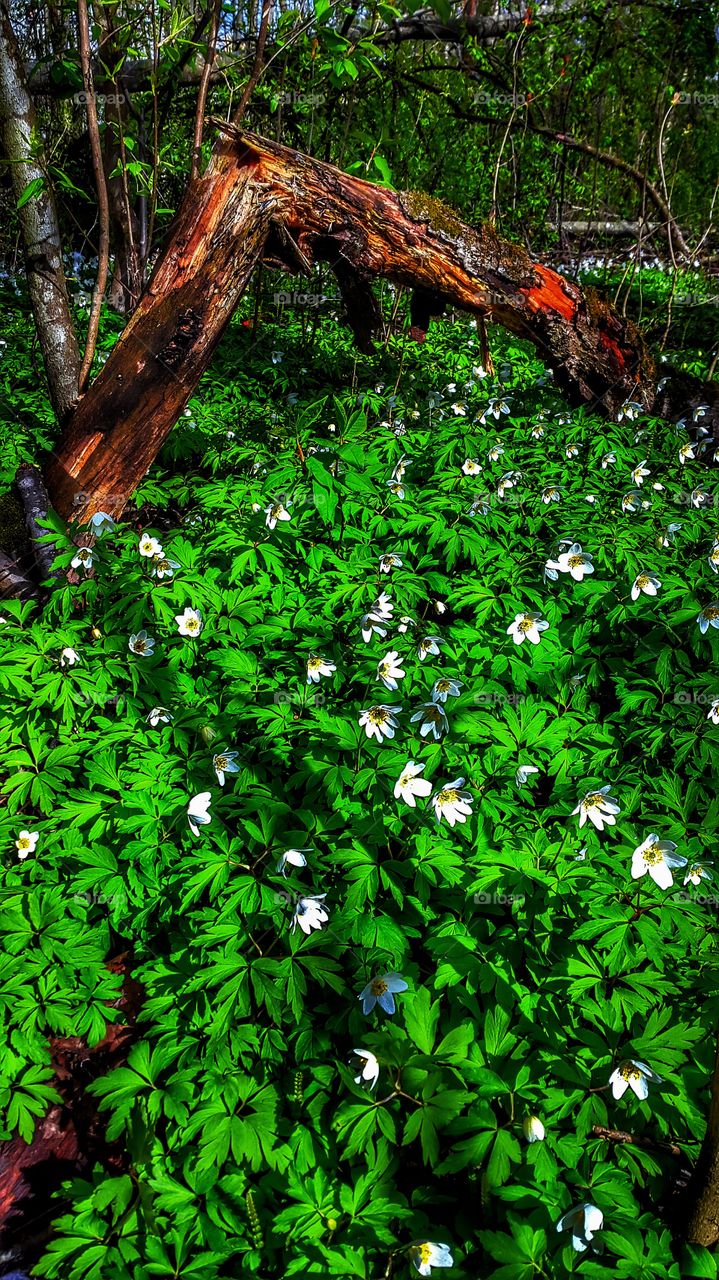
<point x="526" y="623"/>
<point x="711" y="612"/>
<point x="630" y="1072"/>
<point x="575" y="561"/>
<point x="449" y="796"/>
<point x="23" y="843"/>
<point x="378" y="715"/>
<point x="221" y="762"/>
<point x="643" y="580"/>
<point x="314" y="664"/>
<point x="378" y="987"/>
<point x="594" y="800"/>
<point x="443" y="686"/>
<point x="653" y="855"/>
<point x="192" y="624"/>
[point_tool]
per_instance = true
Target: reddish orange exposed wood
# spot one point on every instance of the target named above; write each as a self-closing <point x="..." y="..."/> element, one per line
<point x="551" y="294"/>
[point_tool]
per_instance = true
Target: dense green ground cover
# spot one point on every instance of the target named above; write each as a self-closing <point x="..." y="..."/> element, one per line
<point x="534" y="963"/>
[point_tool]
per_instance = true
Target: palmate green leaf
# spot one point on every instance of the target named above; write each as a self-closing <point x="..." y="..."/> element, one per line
<point x="421" y="1015"/>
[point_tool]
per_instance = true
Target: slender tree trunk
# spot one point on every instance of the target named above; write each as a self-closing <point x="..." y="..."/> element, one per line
<point x="22" y="145"/>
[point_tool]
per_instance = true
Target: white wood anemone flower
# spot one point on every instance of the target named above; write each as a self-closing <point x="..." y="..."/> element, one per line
<point x="708" y="617"/>
<point x="69" y="657"/>
<point x="380" y="721"/>
<point x="158" y="715"/>
<point x="452" y="803"/>
<point x="583" y="1220"/>
<point x="425" y="1254"/>
<point x="445" y="688"/>
<point x="471" y="467"/>
<point x="369" y="1071"/>
<point x="84" y="558"/>
<point x="318" y="666"/>
<point x="427" y="645"/>
<point x="713" y="558"/>
<point x="292" y="858"/>
<point x="149" y="546"/>
<point x="223" y="763"/>
<point x="645" y="582"/>
<point x="574" y="561"/>
<point x="141" y="644"/>
<point x="633" y="1075"/>
<point x="608" y="460"/>
<point x="198" y="811"/>
<point x="631" y="503"/>
<point x="527" y="626"/>
<point x="639" y="472"/>
<point x="383" y="607"/>
<point x="26" y="843"/>
<point x="696" y="872"/>
<point x="533" y="1129"/>
<point x="399" y="469"/>
<point x="629" y="410"/>
<point x="164" y="568"/>
<point x="396" y="489"/>
<point x="389" y="562"/>
<point x="713" y="712"/>
<point x="522" y="775"/>
<point x="405" y="623"/>
<point x="101" y="523"/>
<point x="656" y="858"/>
<point x="310" y="913"/>
<point x="667" y="537"/>
<point x="274" y="512"/>
<point x="432" y="719"/>
<point x="410" y="784"/>
<point x="189" y="623"/>
<point x="389" y="671"/>
<point x="382" y="991"/>
<point x="371" y="626"/>
<point x="599" y="807"/>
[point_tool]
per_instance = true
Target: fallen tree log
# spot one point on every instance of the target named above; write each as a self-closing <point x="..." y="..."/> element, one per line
<point x="260" y="199"/>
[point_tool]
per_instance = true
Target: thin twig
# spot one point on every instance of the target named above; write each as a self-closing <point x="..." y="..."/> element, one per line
<point x="103" y="204"/>
<point x="202" y="92"/>
<point x="631" y="1140"/>
<point x="259" y="59"/>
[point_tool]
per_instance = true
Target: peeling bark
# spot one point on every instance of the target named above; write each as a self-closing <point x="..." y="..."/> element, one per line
<point x="598" y="356"/>
<point x="22" y="146"/>
<point x="120" y="425"/>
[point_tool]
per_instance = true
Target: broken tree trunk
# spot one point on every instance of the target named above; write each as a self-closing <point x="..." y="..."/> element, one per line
<point x="260" y="197"/>
<point x="119" y="426"/>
